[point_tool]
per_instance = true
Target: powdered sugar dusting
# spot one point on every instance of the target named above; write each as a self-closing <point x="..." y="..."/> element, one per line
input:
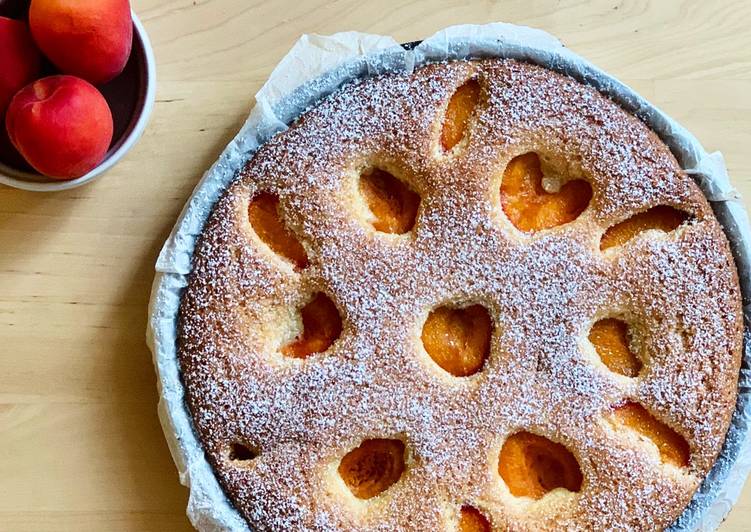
<point x="542" y="291"/>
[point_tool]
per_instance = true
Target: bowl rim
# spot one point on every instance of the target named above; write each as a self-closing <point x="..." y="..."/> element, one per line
<point x="16" y="179"/>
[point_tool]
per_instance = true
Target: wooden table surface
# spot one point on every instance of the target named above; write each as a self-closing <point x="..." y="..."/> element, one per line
<point x="80" y="444"/>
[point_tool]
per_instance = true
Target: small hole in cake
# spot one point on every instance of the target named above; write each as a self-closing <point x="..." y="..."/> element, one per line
<point x="458" y="339"/>
<point x="392" y="203"/>
<point x="322" y="326"/>
<point x="373" y="467"/>
<point x="459" y="111"/>
<point x="611" y="339"/>
<point x="661" y="218"/>
<point x="533" y="202"/>
<point x="672" y="446"/>
<point x="471" y="520"/>
<point x="239" y="452"/>
<point x="265" y="218"/>
<point x="532" y="466"/>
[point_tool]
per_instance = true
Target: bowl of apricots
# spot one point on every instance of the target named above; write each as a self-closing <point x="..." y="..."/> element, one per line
<point x="77" y="88"/>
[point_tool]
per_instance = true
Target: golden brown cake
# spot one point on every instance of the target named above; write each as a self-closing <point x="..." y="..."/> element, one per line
<point x="478" y="297"/>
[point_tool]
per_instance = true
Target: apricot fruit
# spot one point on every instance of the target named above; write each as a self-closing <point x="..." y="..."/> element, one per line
<point x="531" y="466"/>
<point x="661" y="218"/>
<point x="91" y="39"/>
<point x="61" y="125"/>
<point x="19" y="57"/>
<point x="460" y="109"/>
<point x="265" y="218"/>
<point x="529" y="206"/>
<point x="610" y="338"/>
<point x="458" y="339"/>
<point x="471" y="520"/>
<point x="322" y="325"/>
<point x="373" y="467"/>
<point x="393" y="204"/>
<point x="672" y="446"/>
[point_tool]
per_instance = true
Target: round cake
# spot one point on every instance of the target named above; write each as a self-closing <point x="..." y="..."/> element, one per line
<point x="477" y="297"/>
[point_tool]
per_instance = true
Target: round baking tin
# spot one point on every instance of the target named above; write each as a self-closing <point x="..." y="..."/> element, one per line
<point x="173" y="269"/>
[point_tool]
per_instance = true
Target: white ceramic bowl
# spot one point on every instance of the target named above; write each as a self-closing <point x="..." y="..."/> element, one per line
<point x="131" y="97"/>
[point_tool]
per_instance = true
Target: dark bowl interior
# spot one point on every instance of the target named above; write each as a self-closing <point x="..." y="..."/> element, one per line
<point x="126" y="94"/>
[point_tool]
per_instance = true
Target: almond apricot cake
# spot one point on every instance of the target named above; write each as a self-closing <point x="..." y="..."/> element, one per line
<point x="477" y="297"/>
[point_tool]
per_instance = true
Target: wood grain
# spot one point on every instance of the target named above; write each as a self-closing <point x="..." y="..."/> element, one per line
<point x="81" y="444"/>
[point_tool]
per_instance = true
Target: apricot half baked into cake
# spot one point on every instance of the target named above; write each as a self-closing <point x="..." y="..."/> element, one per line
<point x="477" y="297"/>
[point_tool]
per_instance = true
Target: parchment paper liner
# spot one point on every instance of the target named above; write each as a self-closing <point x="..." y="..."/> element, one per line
<point x="315" y="67"/>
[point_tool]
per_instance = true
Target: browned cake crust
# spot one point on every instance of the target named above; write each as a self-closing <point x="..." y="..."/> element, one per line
<point x="543" y="292"/>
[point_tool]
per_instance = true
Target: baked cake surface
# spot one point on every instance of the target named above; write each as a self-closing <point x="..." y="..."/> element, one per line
<point x="412" y="312"/>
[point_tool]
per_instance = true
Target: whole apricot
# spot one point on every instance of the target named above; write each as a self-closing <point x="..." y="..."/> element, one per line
<point x="20" y="61"/>
<point x="91" y="39"/>
<point x="62" y="126"/>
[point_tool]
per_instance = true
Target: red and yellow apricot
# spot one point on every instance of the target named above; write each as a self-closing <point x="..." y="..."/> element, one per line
<point x="91" y="39"/>
<point x="62" y="126"/>
<point x="19" y="57"/>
